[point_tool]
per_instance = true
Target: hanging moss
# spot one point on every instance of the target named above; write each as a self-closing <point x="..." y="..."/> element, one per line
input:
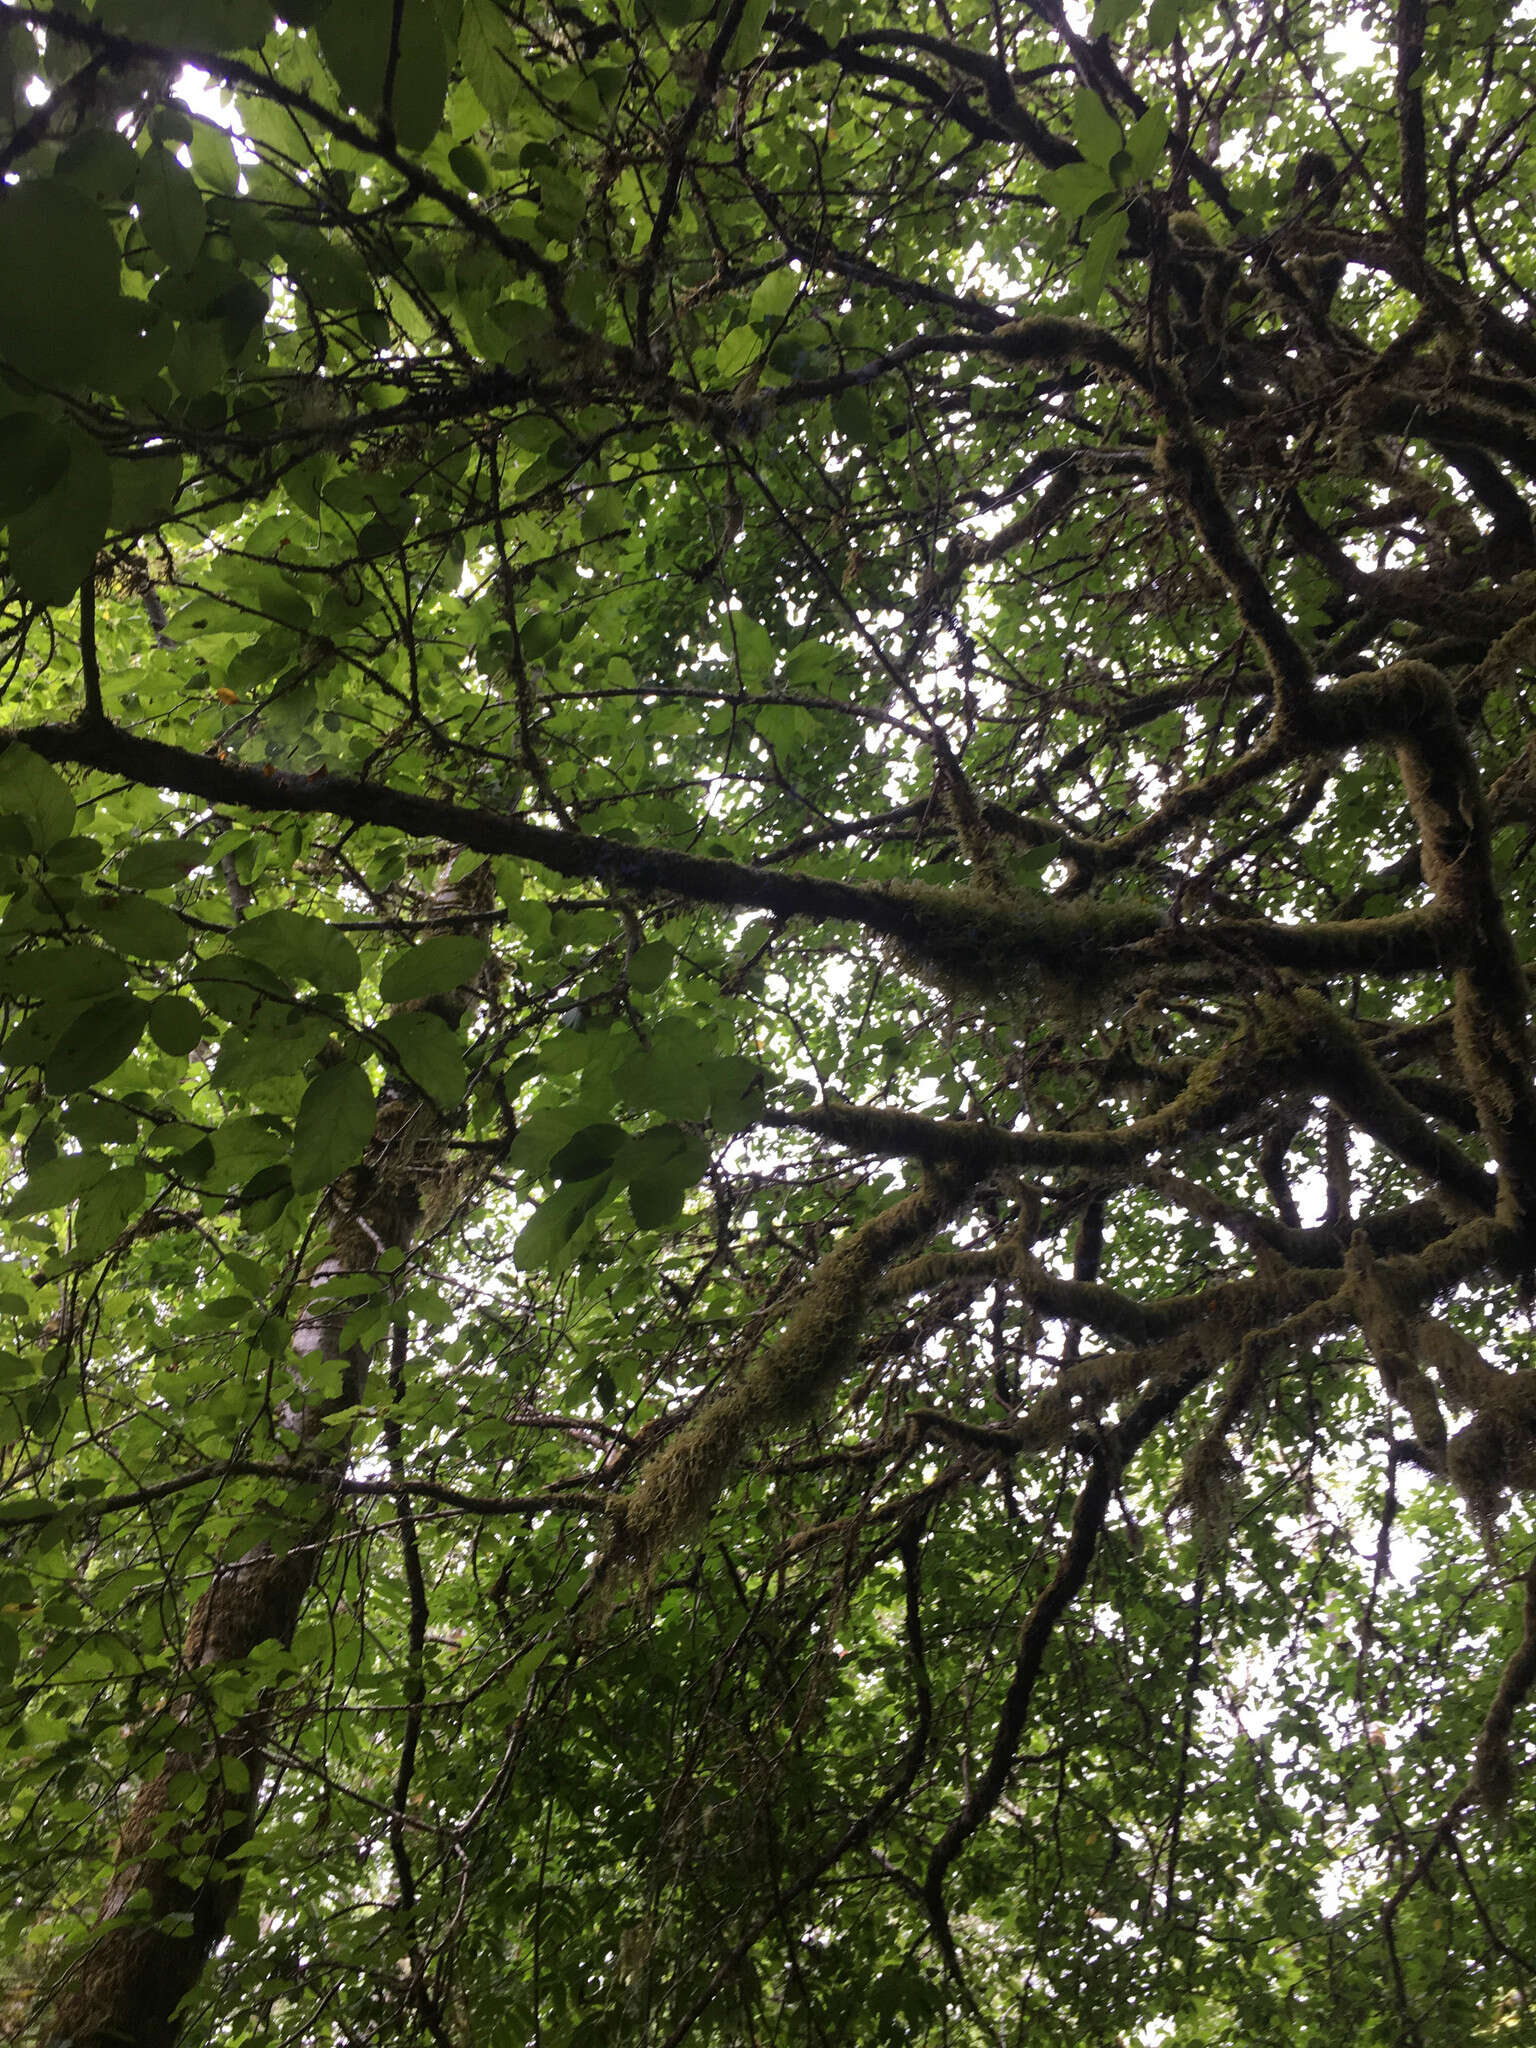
<point x="1390" y="1339"/>
<point x="1211" y="1489"/>
<point x="1495" y="1455"/>
<point x="1466" y="1378"/>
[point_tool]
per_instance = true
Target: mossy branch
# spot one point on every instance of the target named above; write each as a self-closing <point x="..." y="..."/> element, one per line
<point x="1493" y="1773"/>
<point x="1412" y="705"/>
<point x="783" y="1387"/>
<point x="1184" y="462"/>
<point x="1390" y="1339"/>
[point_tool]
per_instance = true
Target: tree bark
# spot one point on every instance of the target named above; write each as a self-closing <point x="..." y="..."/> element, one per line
<point x="174" y="1870"/>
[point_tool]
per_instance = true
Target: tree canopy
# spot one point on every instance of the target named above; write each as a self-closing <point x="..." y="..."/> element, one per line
<point x="767" y="839"/>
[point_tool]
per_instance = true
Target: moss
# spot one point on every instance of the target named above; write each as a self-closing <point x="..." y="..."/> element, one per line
<point x="1378" y="704"/>
<point x="1049" y="339"/>
<point x="1393" y="1344"/>
<point x="678" y="1489"/>
<point x="1508" y="655"/>
<point x="1211" y="1481"/>
<point x="1465" y="1376"/>
<point x="972" y="941"/>
<point x="1495" y="1454"/>
<point x="783" y="1387"/>
<point x="1211" y="1490"/>
<point x="1104" y="1377"/>
<point x="930" y="1271"/>
<point x="1192" y="231"/>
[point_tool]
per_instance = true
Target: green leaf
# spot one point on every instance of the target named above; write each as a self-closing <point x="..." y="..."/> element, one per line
<point x="484" y="53"/>
<point x="246" y="1143"/>
<point x="34" y="454"/>
<point x="556" y="1223"/>
<point x="107" y="1208"/>
<point x="743" y="345"/>
<point x="59" y="259"/>
<point x="593" y="1150"/>
<point x="519" y="1680"/>
<point x="812" y="663"/>
<point x="170" y="208"/>
<point x="72" y="971"/>
<point x="264" y="1197"/>
<point x="300" y="948"/>
<point x="1097" y="131"/>
<point x="853" y="415"/>
<point x="94" y="1120"/>
<point x="1147" y="141"/>
<point x="736" y="1086"/>
<point x="264" y="1060"/>
<point x="650" y="965"/>
<point x="430" y="1054"/>
<point x="753" y="645"/>
<point x="58" y="1183"/>
<point x="432" y="967"/>
<point x="333" y="1128"/>
<point x="101" y="162"/>
<point x="96" y="1044"/>
<point x="747" y="41"/>
<point x="775" y="295"/>
<point x="1075" y="187"/>
<point x="541" y="1135"/>
<point x="1030" y="867"/>
<point x="666" y="1077"/>
<point x="232" y="987"/>
<point x="212" y="25"/>
<point x="176" y="1024"/>
<point x="1102" y="250"/>
<point x="139" y="927"/>
<point x="78" y="855"/>
<point x="214" y="164"/>
<point x="539" y="634"/>
<point x="29" y="1043"/>
<point x="355" y="43"/>
<point x="37" y="795"/>
<point x="602" y="515"/>
<point x="1163" y="23"/>
<point x="470" y="167"/>
<point x="143" y="491"/>
<point x="54" y="542"/>
<point x="158" y="863"/>
<point x="660" y="1167"/>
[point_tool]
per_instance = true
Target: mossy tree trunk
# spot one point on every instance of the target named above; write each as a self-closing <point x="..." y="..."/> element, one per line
<point x="177" y="1876"/>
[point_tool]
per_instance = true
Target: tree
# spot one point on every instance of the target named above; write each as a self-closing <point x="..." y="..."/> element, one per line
<point x="766" y="832"/>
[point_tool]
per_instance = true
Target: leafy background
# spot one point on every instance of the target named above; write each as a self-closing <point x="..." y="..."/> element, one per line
<point x="595" y="600"/>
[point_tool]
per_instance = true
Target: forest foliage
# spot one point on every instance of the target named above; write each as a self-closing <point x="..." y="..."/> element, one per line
<point x="767" y="842"/>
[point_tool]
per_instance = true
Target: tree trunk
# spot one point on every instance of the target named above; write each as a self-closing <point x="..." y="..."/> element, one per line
<point x="173" y="1866"/>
